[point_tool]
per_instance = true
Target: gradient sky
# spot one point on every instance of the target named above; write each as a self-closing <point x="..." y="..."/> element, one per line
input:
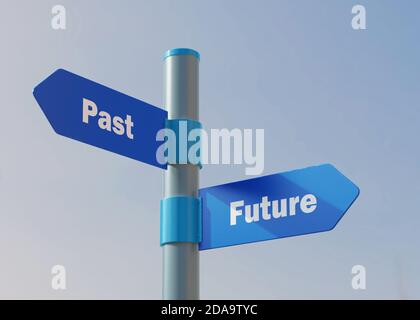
<point x="323" y="92"/>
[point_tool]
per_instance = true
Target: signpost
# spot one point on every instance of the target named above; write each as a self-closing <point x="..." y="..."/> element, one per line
<point x="281" y="205"/>
<point x="181" y="258"/>
<point x="89" y="112"/>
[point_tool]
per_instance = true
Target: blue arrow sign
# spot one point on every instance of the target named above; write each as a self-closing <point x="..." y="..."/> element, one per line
<point x="89" y="112"/>
<point x="281" y="205"/>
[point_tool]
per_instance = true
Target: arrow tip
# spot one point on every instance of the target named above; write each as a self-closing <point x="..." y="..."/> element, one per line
<point x="58" y="71"/>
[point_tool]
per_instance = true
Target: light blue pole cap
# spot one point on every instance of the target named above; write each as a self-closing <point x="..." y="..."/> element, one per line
<point x="181" y="51"/>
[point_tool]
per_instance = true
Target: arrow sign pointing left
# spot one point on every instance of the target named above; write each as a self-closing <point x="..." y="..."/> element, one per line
<point x="89" y="112"/>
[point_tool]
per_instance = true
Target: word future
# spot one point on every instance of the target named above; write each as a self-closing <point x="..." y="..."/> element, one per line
<point x="279" y="208"/>
<point x="114" y="124"/>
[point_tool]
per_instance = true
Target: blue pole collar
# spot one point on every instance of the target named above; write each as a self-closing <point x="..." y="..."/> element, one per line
<point x="180" y="220"/>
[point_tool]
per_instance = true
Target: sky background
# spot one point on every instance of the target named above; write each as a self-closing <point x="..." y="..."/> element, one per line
<point x="323" y="92"/>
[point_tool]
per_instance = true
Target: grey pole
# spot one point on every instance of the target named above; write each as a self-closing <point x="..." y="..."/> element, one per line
<point x="181" y="260"/>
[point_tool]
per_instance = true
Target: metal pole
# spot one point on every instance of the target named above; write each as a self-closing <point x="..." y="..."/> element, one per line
<point x="181" y="260"/>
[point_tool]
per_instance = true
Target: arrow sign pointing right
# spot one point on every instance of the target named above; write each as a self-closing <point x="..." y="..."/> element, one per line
<point x="89" y="112"/>
<point x="281" y="205"/>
